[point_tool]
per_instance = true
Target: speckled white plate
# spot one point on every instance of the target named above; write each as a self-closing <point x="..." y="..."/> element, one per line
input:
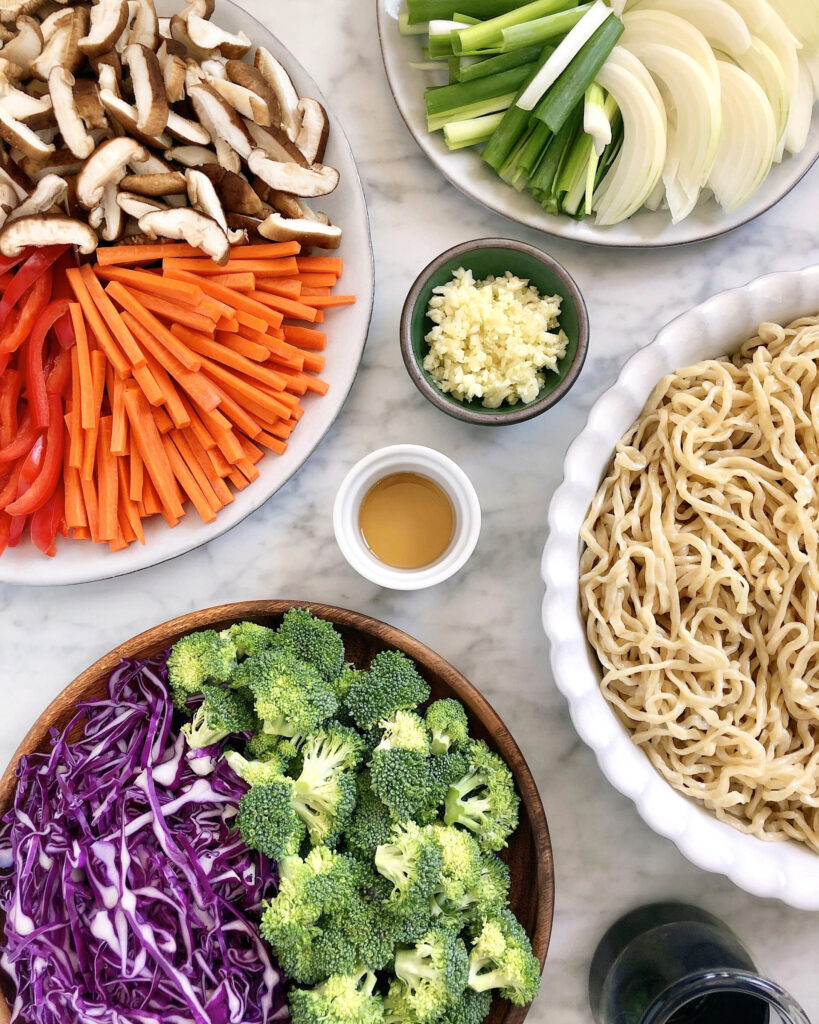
<point x="787" y="871"/>
<point x="346" y="327"/>
<point x="467" y="172"/>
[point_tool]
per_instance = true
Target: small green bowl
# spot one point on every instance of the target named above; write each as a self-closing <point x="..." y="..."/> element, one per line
<point x="485" y="257"/>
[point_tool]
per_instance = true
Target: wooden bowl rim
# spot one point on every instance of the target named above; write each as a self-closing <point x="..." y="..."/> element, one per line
<point x="156" y="638"/>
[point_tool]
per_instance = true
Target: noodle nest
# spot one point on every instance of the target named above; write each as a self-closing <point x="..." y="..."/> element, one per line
<point x="699" y="582"/>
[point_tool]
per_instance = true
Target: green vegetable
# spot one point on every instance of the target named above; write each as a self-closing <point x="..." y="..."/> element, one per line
<point x="250" y="638"/>
<point x="411" y="861"/>
<point x="427" y="10"/>
<point x="341" y="999"/>
<point x="313" y="640"/>
<point x="484" y="799"/>
<point x="501" y="958"/>
<point x="222" y="713"/>
<point x="434" y="973"/>
<point x="542" y="30"/>
<point x="489" y="33"/>
<point x="324" y="793"/>
<point x="392" y="684"/>
<point x="446" y="721"/>
<point x="471" y="1008"/>
<point x="472" y="131"/>
<point x="291" y="697"/>
<point x="514" y="123"/>
<point x="371" y="825"/>
<point x="196" y="659"/>
<point x="468" y="72"/>
<point x="468" y="99"/>
<point x="257" y="773"/>
<point x="401" y="767"/>
<point x="268" y="821"/>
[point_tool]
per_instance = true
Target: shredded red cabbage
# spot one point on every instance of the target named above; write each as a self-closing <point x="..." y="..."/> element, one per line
<point x="128" y="899"/>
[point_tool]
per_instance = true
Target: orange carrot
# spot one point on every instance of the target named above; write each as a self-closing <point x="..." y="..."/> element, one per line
<point x="90" y="441"/>
<point x="205" y="347"/>
<point x="238" y="481"/>
<point x="286" y="267"/>
<point x="264" y="250"/>
<point x="150" y="498"/>
<point x="118" y="255"/>
<point x="227" y="323"/>
<point x="244" y="346"/>
<point x="170" y="396"/>
<point x="252" y="451"/>
<point x="325" y="280"/>
<point x="83" y="366"/>
<point x="112" y="318"/>
<point x="289" y="287"/>
<point x="221" y="429"/>
<point x="150" y="388"/>
<point x="313" y="362"/>
<point x="281" y="430"/>
<point x="240" y="282"/>
<point x="129" y="302"/>
<point x="107" y="481"/>
<point x="273" y="443"/>
<point x="154" y="283"/>
<point x="95" y="322"/>
<point x="327" y="301"/>
<point x="135" y="474"/>
<point x="89" y="497"/>
<point x="163" y="421"/>
<point x="119" y="426"/>
<point x="287" y="354"/>
<point x="288" y="307"/>
<point x="200" y="476"/>
<point x="152" y="450"/>
<point x="75" y="444"/>
<point x="220" y="488"/>
<point x="241" y="303"/>
<point x="247" y="469"/>
<point x="320" y="264"/>
<point x="173" y="310"/>
<point x="128" y="504"/>
<point x="304" y="337"/>
<point x="242" y="412"/>
<point x="310" y="290"/>
<point x="187" y="481"/>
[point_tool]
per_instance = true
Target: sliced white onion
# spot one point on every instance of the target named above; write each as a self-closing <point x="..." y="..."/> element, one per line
<point x="802" y="18"/>
<point x="762" y="64"/>
<point x="796" y="134"/>
<point x="748" y="142"/>
<point x="721" y="25"/>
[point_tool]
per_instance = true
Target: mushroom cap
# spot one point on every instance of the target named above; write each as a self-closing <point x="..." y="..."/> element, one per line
<point x="63" y="46"/>
<point x="306" y="182"/>
<point x="251" y="78"/>
<point x="26" y="45"/>
<point x="145" y="29"/>
<point x="193" y="156"/>
<point x="20" y="136"/>
<point x="276" y="144"/>
<point x="186" y="130"/>
<point x="137" y="206"/>
<point x="126" y="117"/>
<point x="87" y="99"/>
<point x="209" y="37"/>
<point x="106" y="165"/>
<point x="235" y="193"/>
<point x="189" y="226"/>
<point x="61" y="85"/>
<point x="286" y="96"/>
<point x="167" y="183"/>
<point x="244" y="101"/>
<point x="220" y="119"/>
<point x="308" y="232"/>
<point x="50" y="189"/>
<point x="149" y="89"/>
<point x="43" y="230"/>
<point x="106" y="24"/>
<point x="314" y="130"/>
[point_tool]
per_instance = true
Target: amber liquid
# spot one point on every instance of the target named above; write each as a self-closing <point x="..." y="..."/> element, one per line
<point x="406" y="520"/>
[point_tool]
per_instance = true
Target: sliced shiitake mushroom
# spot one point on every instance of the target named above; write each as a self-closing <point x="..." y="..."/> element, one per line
<point x="220" y="119"/>
<point x="149" y="89"/>
<point x="11" y="174"/>
<point x="209" y="38"/>
<point x="306" y="182"/>
<point x="87" y="100"/>
<point x="275" y="143"/>
<point x="49" y="190"/>
<point x="21" y="137"/>
<point x="150" y="163"/>
<point x="174" y="66"/>
<point x="186" y="130"/>
<point x="286" y="96"/>
<point x="63" y="47"/>
<point x="113" y="217"/>
<point x="145" y="28"/>
<point x="188" y="226"/>
<point x="203" y="197"/>
<point x="167" y="183"/>
<point x="10" y="10"/>
<point x="137" y="206"/>
<point x="251" y="78"/>
<point x="244" y="101"/>
<point x="108" y="69"/>
<point x="241" y="222"/>
<point x="126" y="117"/>
<point x="73" y="130"/>
<point x="22" y="106"/>
<point x="62" y="161"/>
<point x="314" y="130"/>
<point x="46" y="230"/>
<point x="106" y="166"/>
<point x="307" y="232"/>
<point x="26" y="46"/>
<point x="234" y="192"/>
<point x="193" y="156"/>
<point x="106" y="24"/>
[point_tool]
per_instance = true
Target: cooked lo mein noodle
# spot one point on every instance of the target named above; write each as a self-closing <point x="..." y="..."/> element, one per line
<point x="700" y="581"/>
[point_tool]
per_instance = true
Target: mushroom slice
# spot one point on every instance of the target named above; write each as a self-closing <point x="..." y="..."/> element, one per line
<point x="203" y="197"/>
<point x="164" y="28"/>
<point x="46" y="230"/>
<point x="20" y="105"/>
<point x="26" y="46"/>
<point x="291" y="207"/>
<point x="286" y="97"/>
<point x="106" y="166"/>
<point x="308" y="232"/>
<point x="220" y="119"/>
<point x="241" y="222"/>
<point x="49" y="190"/>
<point x="12" y="175"/>
<point x="108" y="68"/>
<point x="137" y="206"/>
<point x="149" y="164"/>
<point x="244" y="101"/>
<point x="289" y="177"/>
<point x="12" y="9"/>
<point x="145" y="29"/>
<point x="179" y="32"/>
<point x="72" y="129"/>
<point x="149" y="89"/>
<point x="188" y="226"/>
<point x="106" y="24"/>
<point x="201" y="8"/>
<point x="88" y="104"/>
<point x="8" y="201"/>
<point x="251" y="78"/>
<point x="113" y="218"/>
<point x="314" y="130"/>
<point x="52" y="21"/>
<point x="168" y="183"/>
<point x="62" y="161"/>
<point x="214" y="68"/>
<point x="126" y="117"/>
<point x="193" y="156"/>
<point x="234" y="192"/>
<point x="208" y="37"/>
<point x="188" y="131"/>
<point x="174" y="68"/>
<point x="21" y="137"/>
<point x="63" y="47"/>
<point x="275" y="144"/>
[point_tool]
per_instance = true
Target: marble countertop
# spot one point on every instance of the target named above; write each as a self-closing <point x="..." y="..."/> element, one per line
<point x="487" y="619"/>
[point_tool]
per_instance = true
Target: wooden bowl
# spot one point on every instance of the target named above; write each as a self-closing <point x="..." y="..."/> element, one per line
<point x="529" y="853"/>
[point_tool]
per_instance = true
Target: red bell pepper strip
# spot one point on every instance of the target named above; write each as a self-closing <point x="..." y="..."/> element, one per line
<point x="5" y="525"/>
<point x="51" y="465"/>
<point x="21" y="444"/>
<point x="10" y="384"/>
<point x="8" y="492"/>
<point x="9" y="262"/>
<point x="64" y="331"/>
<point x="31" y="271"/>
<point x="58" y="378"/>
<point x="16" y="527"/>
<point x="31" y="305"/>
<point x="35" y="372"/>
<point x="46" y="522"/>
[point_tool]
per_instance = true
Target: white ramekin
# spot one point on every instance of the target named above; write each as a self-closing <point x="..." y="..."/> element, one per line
<point x="406" y="458"/>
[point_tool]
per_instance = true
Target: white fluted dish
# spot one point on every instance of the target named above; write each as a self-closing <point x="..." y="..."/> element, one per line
<point x="783" y="870"/>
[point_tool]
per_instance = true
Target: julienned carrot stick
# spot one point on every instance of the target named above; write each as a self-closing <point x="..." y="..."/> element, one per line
<point x="152" y="282"/>
<point x="309" y="280"/>
<point x="130" y="303"/>
<point x="89" y="497"/>
<point x="197" y="426"/>
<point x="95" y="322"/>
<point x="309" y="290"/>
<point x="221" y="466"/>
<point x="271" y="442"/>
<point x="163" y="421"/>
<point x="286" y="267"/>
<point x="205" y="347"/>
<point x="327" y="301"/>
<point x="150" y="388"/>
<point x="241" y="412"/>
<point x="152" y="450"/>
<point x="193" y="464"/>
<point x="119" y="255"/>
<point x="287" y="354"/>
<point x="75" y="433"/>
<point x="107" y="481"/>
<point x="83" y="367"/>
<point x="135" y="471"/>
<point x="227" y="323"/>
<point x="313" y="362"/>
<point x="202" y="455"/>
<point x="127" y="503"/>
<point x="244" y="346"/>
<point x="320" y="264"/>
<point x="109" y="314"/>
<point x="119" y="426"/>
<point x="305" y="337"/>
<point x="288" y="307"/>
<point x="170" y="396"/>
<point x="222" y="430"/>
<point x="187" y="481"/>
<point x="237" y="300"/>
<point x="90" y="441"/>
<point x="280" y="430"/>
<point x="150" y="499"/>
<point x="174" y="310"/>
<point x="289" y="287"/>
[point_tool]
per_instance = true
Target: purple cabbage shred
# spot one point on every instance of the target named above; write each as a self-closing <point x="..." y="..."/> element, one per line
<point x="128" y="897"/>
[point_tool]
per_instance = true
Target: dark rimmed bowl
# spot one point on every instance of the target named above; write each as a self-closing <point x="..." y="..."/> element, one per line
<point x="485" y="257"/>
<point x="529" y="853"/>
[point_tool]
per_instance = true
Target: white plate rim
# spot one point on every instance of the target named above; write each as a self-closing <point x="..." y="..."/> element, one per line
<point x="25" y="566"/>
<point x="619" y="236"/>
<point x="785" y="871"/>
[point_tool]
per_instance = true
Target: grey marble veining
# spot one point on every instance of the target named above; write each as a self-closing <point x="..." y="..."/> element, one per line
<point x="486" y="619"/>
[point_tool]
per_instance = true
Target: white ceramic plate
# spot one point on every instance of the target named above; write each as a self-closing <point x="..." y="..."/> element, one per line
<point x="787" y="871"/>
<point x="467" y="172"/>
<point x="81" y="561"/>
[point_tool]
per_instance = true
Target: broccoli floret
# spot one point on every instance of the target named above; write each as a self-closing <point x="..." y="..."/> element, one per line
<point x="196" y="659"/>
<point x="471" y="1008"/>
<point x="411" y="860"/>
<point x="267" y="820"/>
<point x="484" y="799"/>
<point x="397" y="1006"/>
<point x="434" y="972"/>
<point x="492" y="891"/>
<point x="401" y="768"/>
<point x="324" y="793"/>
<point x="291" y="697"/>
<point x="501" y="958"/>
<point x="446" y="721"/>
<point x="341" y="999"/>
<point x="392" y="684"/>
<point x="372" y="823"/>
<point x="222" y="713"/>
<point x="460" y="868"/>
<point x="257" y="773"/>
<point x="404" y="730"/>
<point x="263" y="746"/>
<point x="250" y="638"/>
<point x="342" y="683"/>
<point x="313" y="640"/>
